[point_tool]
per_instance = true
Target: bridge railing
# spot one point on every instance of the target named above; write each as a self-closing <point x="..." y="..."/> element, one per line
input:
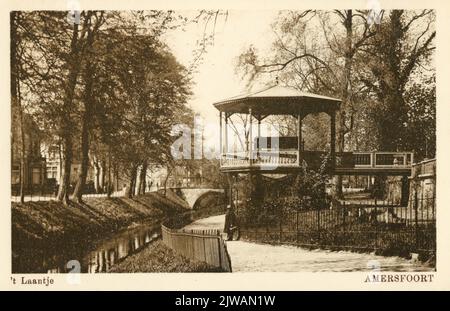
<point x="200" y="245"/>
<point x="380" y="159"/>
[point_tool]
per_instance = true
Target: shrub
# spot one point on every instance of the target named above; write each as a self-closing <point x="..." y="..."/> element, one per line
<point x="266" y="202"/>
<point x="395" y="248"/>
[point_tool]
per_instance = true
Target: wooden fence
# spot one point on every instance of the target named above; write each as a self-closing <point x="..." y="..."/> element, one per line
<point x="201" y="245"/>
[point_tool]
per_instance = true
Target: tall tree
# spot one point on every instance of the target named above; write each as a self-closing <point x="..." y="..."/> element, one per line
<point x="16" y="101"/>
<point x="67" y="124"/>
<point x="52" y="61"/>
<point x="93" y="22"/>
<point x="316" y="62"/>
<point x="421" y="124"/>
<point x="397" y="55"/>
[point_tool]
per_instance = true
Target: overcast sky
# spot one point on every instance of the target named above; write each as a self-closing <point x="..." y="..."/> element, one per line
<point x="216" y="77"/>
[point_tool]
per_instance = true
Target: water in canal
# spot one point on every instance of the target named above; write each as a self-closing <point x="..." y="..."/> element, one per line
<point x="76" y="256"/>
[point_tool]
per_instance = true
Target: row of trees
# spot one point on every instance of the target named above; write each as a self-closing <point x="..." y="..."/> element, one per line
<point x="379" y="63"/>
<point x="101" y="84"/>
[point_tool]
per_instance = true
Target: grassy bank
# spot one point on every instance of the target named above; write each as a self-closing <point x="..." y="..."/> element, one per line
<point x="157" y="257"/>
<point x="48" y="222"/>
<point x="45" y="234"/>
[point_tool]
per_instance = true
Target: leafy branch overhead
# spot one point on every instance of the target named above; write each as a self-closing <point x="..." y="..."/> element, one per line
<point x="105" y="88"/>
<point x="372" y="64"/>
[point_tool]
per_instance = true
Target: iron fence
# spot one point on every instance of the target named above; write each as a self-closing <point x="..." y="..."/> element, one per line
<point x="356" y="225"/>
<point x="35" y="195"/>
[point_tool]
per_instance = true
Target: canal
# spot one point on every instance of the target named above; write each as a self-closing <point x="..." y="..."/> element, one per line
<point x="85" y="256"/>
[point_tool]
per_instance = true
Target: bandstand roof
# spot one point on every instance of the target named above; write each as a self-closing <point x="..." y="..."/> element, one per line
<point x="278" y="100"/>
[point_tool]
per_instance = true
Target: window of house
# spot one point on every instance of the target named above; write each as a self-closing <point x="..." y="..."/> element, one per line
<point x="15" y="174"/>
<point x="52" y="172"/>
<point x="36" y="175"/>
<point x="53" y="153"/>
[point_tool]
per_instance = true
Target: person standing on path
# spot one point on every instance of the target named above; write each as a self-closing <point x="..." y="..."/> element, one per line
<point x="230" y="223"/>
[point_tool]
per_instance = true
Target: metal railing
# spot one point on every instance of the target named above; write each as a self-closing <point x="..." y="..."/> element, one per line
<point x="36" y="196"/>
<point x="365" y="225"/>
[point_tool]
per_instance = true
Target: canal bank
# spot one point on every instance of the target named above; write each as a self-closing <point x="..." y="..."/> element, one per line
<point x="97" y="233"/>
<point x="157" y="257"/>
<point x="160" y="257"/>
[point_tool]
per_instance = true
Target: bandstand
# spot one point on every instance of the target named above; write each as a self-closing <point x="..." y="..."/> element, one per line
<point x="289" y="154"/>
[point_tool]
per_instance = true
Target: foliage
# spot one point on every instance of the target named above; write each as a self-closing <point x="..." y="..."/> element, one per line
<point x="307" y="192"/>
<point x="400" y="53"/>
<point x="421" y="125"/>
<point x="383" y="72"/>
<point x="105" y="87"/>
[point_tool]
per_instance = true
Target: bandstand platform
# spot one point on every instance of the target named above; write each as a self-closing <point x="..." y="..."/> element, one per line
<point x="286" y="154"/>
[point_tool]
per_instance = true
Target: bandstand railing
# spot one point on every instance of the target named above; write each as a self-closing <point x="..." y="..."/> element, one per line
<point x="290" y="158"/>
<point x="260" y="158"/>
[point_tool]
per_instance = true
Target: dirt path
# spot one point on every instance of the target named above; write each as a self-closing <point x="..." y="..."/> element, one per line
<point x="213" y="222"/>
<point x="246" y="257"/>
<point x="253" y="257"/>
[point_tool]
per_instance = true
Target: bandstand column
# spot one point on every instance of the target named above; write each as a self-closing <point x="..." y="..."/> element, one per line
<point x="258" y="144"/>
<point x="299" y="139"/>
<point x="220" y="135"/>
<point x="226" y="134"/>
<point x="230" y="179"/>
<point x="333" y="139"/>
<point x="250" y="136"/>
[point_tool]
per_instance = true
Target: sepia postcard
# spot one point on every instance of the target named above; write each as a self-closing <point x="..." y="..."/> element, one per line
<point x="225" y="145"/>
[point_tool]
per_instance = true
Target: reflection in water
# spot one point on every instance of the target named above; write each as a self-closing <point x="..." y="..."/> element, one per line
<point x="94" y="258"/>
<point x="104" y="257"/>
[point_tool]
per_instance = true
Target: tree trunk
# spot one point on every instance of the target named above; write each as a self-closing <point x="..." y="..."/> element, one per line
<point x="103" y="175"/>
<point x="22" y="154"/>
<point x="116" y="176"/>
<point x="86" y="124"/>
<point x="79" y="188"/>
<point x="86" y="117"/>
<point x="60" y="164"/>
<point x="67" y="126"/>
<point x="346" y="96"/>
<point x="138" y="183"/>
<point x="133" y="175"/>
<point x="142" y="178"/>
<point x="144" y="181"/>
<point x="64" y="187"/>
<point x="97" y="176"/>
<point x="110" y="187"/>
<point x="166" y="179"/>
<point x="16" y="98"/>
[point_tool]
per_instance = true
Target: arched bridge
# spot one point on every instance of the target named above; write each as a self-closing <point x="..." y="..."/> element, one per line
<point x="193" y="196"/>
